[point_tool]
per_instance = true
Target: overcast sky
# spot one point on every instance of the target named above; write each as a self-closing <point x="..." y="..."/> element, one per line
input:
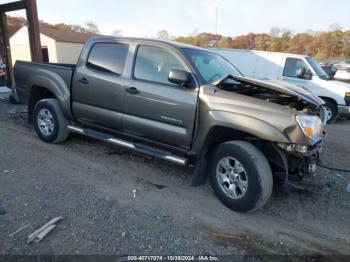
<point x="182" y="17"/>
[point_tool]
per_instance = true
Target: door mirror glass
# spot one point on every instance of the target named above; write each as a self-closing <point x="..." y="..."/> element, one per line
<point x="179" y="77"/>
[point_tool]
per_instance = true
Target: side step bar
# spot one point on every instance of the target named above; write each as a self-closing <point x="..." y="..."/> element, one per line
<point x="155" y="152"/>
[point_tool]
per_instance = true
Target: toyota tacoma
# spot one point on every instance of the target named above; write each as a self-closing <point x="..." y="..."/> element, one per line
<point x="182" y="104"/>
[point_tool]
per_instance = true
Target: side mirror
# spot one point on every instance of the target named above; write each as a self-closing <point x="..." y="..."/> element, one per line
<point x="178" y="77"/>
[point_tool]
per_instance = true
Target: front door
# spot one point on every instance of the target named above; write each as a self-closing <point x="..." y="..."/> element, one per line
<point x="98" y="91"/>
<point x="155" y="108"/>
<point x="290" y="73"/>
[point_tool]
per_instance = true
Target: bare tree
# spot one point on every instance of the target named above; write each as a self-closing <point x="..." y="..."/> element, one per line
<point x="91" y="27"/>
<point x="163" y="34"/>
<point x="117" y="32"/>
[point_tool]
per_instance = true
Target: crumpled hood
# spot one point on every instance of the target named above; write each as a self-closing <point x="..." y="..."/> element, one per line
<point x="279" y="86"/>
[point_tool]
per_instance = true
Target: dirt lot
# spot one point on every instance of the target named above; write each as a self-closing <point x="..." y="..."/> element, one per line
<point x="91" y="185"/>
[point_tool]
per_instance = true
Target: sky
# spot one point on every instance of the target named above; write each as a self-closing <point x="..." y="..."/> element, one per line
<point x="145" y="18"/>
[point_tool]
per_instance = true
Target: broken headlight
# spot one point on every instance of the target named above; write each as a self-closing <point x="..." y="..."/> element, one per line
<point x="311" y="126"/>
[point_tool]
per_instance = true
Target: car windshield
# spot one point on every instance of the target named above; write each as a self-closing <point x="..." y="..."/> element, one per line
<point x="209" y="65"/>
<point x="316" y="67"/>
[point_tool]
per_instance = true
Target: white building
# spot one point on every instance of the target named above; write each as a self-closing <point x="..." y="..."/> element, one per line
<point x="58" y="46"/>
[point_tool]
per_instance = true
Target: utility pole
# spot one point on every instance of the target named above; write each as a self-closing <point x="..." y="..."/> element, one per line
<point x="216" y="26"/>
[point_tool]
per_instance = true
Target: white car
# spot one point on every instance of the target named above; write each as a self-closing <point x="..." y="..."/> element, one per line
<point x="299" y="70"/>
<point x="343" y="74"/>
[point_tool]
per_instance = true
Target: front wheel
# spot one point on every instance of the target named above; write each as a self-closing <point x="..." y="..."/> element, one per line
<point x="331" y="112"/>
<point x="241" y="176"/>
<point x="49" y="122"/>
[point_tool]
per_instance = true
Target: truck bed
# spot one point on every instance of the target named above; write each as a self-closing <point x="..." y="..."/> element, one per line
<point x="25" y="71"/>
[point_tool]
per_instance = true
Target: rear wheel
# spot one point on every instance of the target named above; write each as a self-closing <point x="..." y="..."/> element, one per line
<point x="331" y="112"/>
<point x="49" y="122"/>
<point x="241" y="176"/>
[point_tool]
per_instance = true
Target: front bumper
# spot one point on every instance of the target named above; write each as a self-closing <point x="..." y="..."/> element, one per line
<point x="302" y="160"/>
<point x="344" y="111"/>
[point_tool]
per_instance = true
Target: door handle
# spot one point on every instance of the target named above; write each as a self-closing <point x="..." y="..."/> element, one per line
<point x="83" y="81"/>
<point x="132" y="90"/>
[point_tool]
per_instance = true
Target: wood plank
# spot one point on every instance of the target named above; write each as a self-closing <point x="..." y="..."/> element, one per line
<point x="6" y="43"/>
<point x="13" y="6"/>
<point x="34" y="31"/>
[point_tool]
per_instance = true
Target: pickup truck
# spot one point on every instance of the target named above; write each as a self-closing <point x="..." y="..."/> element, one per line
<point x="182" y="104"/>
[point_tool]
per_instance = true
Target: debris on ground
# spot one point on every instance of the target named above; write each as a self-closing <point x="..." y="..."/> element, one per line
<point x="42" y="232"/>
<point x="19" y="230"/>
<point x="340" y="175"/>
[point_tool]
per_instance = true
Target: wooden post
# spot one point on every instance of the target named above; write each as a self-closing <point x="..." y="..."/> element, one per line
<point x="33" y="30"/>
<point x="6" y="43"/>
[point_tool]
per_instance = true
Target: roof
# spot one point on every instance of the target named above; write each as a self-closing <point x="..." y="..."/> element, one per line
<point x="145" y="40"/>
<point x="259" y="51"/>
<point x="61" y="35"/>
<point x="65" y="36"/>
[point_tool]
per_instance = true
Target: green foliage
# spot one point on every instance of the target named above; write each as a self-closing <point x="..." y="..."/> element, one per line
<point x="333" y="44"/>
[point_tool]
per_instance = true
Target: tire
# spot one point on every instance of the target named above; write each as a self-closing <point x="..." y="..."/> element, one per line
<point x="47" y="113"/>
<point x="332" y="110"/>
<point x="257" y="176"/>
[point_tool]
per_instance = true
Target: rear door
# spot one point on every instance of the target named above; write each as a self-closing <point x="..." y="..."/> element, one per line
<point x="98" y="92"/>
<point x="155" y="108"/>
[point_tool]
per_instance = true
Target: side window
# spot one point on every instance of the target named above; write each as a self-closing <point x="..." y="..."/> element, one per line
<point x="108" y="57"/>
<point x="154" y="64"/>
<point x="292" y="66"/>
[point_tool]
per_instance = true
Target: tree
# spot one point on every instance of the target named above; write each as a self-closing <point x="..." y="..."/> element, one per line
<point x="78" y="28"/>
<point x="163" y="34"/>
<point x="117" y="32"/>
<point x="91" y="27"/>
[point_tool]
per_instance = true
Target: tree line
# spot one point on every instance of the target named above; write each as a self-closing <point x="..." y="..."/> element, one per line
<point x="333" y="44"/>
<point x="323" y="46"/>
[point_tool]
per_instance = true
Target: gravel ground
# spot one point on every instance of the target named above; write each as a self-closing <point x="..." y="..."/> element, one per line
<point x="91" y="185"/>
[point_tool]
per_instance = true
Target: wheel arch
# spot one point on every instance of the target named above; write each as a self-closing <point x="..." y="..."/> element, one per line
<point x="42" y="87"/>
<point x="219" y="134"/>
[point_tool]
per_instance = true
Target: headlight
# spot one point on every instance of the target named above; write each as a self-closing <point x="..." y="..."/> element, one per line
<point x="312" y="126"/>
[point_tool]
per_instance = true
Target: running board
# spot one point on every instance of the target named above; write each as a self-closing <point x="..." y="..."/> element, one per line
<point x="133" y="146"/>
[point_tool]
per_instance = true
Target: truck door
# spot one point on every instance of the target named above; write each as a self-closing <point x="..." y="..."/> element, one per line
<point x="98" y="92"/>
<point x="155" y="108"/>
<point x="290" y="72"/>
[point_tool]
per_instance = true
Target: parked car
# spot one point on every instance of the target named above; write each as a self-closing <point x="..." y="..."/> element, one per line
<point x="342" y="65"/>
<point x="343" y="74"/>
<point x="330" y="70"/>
<point x="294" y="69"/>
<point x="182" y="104"/>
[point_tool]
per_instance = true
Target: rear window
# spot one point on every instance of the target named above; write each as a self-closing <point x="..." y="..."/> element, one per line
<point x="108" y="57"/>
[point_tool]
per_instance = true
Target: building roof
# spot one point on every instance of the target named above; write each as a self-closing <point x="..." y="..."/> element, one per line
<point x="59" y="35"/>
<point x="65" y="36"/>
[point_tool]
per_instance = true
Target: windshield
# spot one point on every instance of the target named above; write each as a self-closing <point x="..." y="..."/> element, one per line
<point x="316" y="67"/>
<point x="210" y="66"/>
